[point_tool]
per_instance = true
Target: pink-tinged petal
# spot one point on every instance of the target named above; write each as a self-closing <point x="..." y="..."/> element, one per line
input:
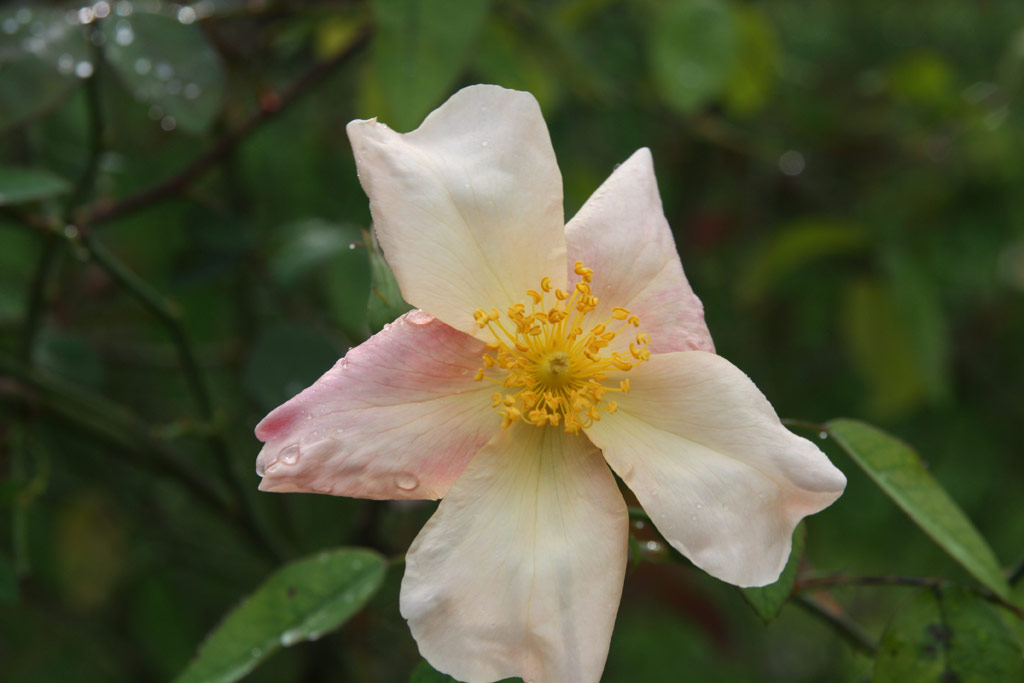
<point x="398" y="417"/>
<point x="721" y="478"/>
<point x="519" y="572"/>
<point x="622" y="234"/>
<point x="467" y="207"/>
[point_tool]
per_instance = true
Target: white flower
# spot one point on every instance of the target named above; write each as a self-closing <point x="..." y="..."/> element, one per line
<point x="521" y="369"/>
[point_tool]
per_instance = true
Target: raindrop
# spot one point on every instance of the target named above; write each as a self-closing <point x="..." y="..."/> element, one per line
<point x="792" y="162"/>
<point x="822" y="435"/>
<point x="186" y="15"/>
<point x="124" y="35"/>
<point x="290" y="455"/>
<point x="654" y="492"/>
<point x="339" y="431"/>
<point x="10" y="25"/>
<point x="168" y="123"/>
<point x="627" y="471"/>
<point x="83" y="69"/>
<point x="124" y="8"/>
<point x="484" y="143"/>
<point x="406" y="481"/>
<point x="290" y="637"/>
<point x="387" y="326"/>
<point x="418" y="317"/>
<point x="142" y="66"/>
<point x="65" y="64"/>
<point x="464" y="371"/>
<point x="164" y="71"/>
<point x="700" y="506"/>
<point x="192" y="91"/>
<point x="351" y="245"/>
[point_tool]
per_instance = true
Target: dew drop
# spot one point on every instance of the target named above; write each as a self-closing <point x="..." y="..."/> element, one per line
<point x="290" y="637"/>
<point x="406" y="481"/>
<point x="65" y="64"/>
<point x="290" y="455"/>
<point x="339" y="431"/>
<point x="654" y="493"/>
<point x="484" y="143"/>
<point x="418" y="317"/>
<point x="700" y="506"/>
<point x="627" y="472"/>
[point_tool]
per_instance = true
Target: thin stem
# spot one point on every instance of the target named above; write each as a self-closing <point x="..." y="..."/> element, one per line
<point x="87" y="180"/>
<point x="1016" y="573"/>
<point x="271" y="106"/>
<point x="37" y="297"/>
<point x="840" y="623"/>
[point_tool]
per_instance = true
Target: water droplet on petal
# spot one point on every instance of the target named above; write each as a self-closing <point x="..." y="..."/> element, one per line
<point x="484" y="143"/>
<point x="339" y="431"/>
<point x="290" y="455"/>
<point x="406" y="481"/>
<point x="700" y="506"/>
<point x="627" y="471"/>
<point x="654" y="492"/>
<point x="418" y="317"/>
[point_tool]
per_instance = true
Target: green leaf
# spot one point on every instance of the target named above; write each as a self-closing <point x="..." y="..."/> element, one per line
<point x="881" y="347"/>
<point x="301" y="601"/>
<point x="167" y="64"/>
<point x="419" y="50"/>
<point x="796" y="245"/>
<point x="40" y="52"/>
<point x="899" y="472"/>
<point x="948" y="635"/>
<point x="693" y="49"/>
<point x="757" y="66"/>
<point x="20" y="185"/>
<point x="386" y="302"/>
<point x="768" y="600"/>
<point x="424" y="673"/>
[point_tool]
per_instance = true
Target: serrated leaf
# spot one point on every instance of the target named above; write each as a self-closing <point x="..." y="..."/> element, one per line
<point x="768" y="600"/>
<point x="20" y="185"/>
<point x="167" y="64"/>
<point x="43" y="57"/>
<point x="301" y="601"/>
<point x="948" y="635"/>
<point x="419" y="50"/>
<point x="693" y="47"/>
<point x="899" y="472"/>
<point x="386" y="302"/>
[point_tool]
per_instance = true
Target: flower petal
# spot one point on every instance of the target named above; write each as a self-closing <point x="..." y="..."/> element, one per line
<point x="398" y="417"/>
<point x="519" y="572"/>
<point x="708" y="459"/>
<point x="621" y="233"/>
<point x="467" y="207"/>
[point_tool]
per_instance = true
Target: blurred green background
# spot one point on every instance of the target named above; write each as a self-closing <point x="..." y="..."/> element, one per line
<point x="846" y="187"/>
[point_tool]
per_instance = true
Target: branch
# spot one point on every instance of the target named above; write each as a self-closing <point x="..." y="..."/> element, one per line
<point x="271" y="106"/>
<point x="842" y="624"/>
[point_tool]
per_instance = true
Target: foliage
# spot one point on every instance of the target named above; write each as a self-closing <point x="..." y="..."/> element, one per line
<point x="184" y="244"/>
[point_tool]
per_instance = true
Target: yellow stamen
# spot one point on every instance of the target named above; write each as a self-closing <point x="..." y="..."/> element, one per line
<point x="551" y="368"/>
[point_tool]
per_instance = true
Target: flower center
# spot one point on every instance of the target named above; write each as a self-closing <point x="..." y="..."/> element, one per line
<point x="551" y="363"/>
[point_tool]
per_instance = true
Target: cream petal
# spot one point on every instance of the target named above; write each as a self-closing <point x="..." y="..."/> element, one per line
<point x="622" y="234"/>
<point x="519" y="572"/>
<point x="721" y="478"/>
<point x="398" y="417"/>
<point x="467" y="207"/>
